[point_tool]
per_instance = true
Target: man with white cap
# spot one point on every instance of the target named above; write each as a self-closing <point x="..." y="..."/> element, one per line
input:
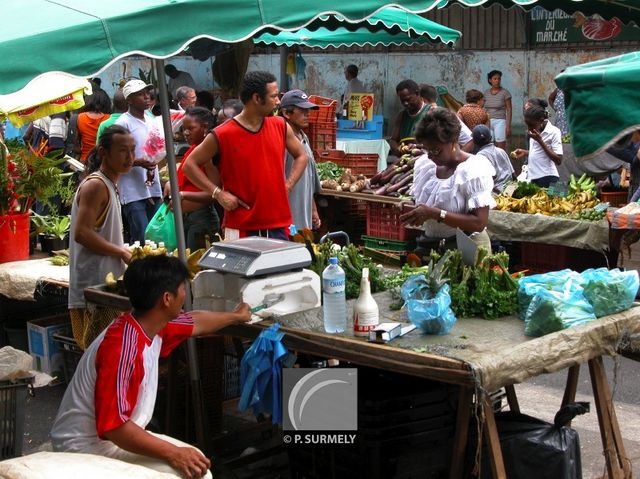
<point x="140" y="192"/>
<point x="295" y="107"/>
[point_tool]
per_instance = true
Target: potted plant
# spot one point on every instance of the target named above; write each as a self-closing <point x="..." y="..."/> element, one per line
<point x="26" y="176"/>
<point x="53" y="231"/>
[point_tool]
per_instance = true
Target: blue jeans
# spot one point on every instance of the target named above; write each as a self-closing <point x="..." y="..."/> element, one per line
<point x="137" y="215"/>
<point x="198" y="224"/>
<point x="545" y="181"/>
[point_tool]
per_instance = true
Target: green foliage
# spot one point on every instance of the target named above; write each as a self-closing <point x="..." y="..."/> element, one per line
<point x="328" y="170"/>
<point x="525" y="189"/>
<point x="27" y="175"/>
<point x="484" y="290"/>
<point x="51" y="225"/>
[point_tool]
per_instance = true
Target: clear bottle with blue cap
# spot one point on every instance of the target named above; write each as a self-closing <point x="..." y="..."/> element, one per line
<point x="334" y="303"/>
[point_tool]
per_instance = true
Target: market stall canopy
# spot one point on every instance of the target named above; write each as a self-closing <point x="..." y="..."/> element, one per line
<point x="47" y="94"/>
<point x="625" y="10"/>
<point x="82" y="38"/>
<point x="390" y="26"/>
<point x="612" y="82"/>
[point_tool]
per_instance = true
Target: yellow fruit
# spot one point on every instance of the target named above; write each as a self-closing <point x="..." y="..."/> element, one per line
<point x="110" y="280"/>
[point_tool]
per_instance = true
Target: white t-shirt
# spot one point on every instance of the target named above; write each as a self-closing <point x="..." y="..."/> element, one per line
<point x="540" y="164"/>
<point x="469" y="188"/>
<point x="131" y="186"/>
<point x="465" y="133"/>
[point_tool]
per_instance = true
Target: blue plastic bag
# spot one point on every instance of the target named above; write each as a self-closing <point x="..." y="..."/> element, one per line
<point x="554" y="280"/>
<point x="261" y="374"/>
<point x="552" y="310"/>
<point x="610" y="291"/>
<point x="432" y="315"/>
<point x="162" y="228"/>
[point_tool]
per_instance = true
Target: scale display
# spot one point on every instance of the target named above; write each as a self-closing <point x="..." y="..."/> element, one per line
<point x="255" y="256"/>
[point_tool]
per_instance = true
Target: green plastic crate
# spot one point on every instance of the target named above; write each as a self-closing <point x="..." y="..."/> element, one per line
<point x="386" y="244"/>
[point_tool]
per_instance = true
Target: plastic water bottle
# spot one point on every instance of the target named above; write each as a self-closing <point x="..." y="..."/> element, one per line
<point x="334" y="303"/>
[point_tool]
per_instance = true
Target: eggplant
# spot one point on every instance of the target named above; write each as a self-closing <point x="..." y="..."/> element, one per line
<point x="403" y="182"/>
<point x="378" y="176"/>
<point x="381" y="191"/>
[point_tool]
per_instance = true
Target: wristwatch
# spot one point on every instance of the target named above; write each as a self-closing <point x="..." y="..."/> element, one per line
<point x="443" y="215"/>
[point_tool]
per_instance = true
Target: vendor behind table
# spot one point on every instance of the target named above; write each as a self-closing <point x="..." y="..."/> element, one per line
<point x="452" y="188"/>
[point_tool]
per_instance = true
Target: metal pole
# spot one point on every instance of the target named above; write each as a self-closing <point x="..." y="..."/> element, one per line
<point x="284" y="81"/>
<point x="192" y="353"/>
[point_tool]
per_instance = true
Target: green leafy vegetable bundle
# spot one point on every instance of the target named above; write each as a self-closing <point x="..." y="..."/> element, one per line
<point x="484" y="290"/>
<point x="328" y="170"/>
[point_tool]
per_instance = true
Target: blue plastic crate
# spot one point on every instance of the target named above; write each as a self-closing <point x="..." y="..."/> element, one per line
<point x="371" y="131"/>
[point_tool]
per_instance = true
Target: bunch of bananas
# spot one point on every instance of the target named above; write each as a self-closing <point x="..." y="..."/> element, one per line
<point x="544" y="204"/>
<point x="137" y="252"/>
<point x="583" y="184"/>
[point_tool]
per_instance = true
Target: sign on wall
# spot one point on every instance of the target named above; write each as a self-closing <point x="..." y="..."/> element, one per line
<point x="559" y="27"/>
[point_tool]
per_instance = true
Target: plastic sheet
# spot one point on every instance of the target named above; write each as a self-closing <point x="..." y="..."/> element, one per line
<point x="431" y="314"/>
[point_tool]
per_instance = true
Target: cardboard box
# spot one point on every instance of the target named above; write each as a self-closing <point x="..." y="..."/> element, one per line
<point x="360" y="107"/>
<point x="47" y="356"/>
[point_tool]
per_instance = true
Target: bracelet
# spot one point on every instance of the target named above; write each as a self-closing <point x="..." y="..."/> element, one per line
<point x="215" y="192"/>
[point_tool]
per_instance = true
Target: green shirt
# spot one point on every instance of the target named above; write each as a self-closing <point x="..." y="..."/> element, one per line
<point x="108" y="122"/>
<point x="408" y="125"/>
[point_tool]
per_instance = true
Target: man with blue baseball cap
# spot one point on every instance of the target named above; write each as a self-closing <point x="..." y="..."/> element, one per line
<point x="295" y="107"/>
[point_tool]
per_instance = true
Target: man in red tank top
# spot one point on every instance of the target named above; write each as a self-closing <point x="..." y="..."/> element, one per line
<point x="250" y="149"/>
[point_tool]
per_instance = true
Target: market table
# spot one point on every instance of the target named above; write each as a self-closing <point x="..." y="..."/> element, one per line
<point x="479" y="356"/>
<point x="19" y="280"/>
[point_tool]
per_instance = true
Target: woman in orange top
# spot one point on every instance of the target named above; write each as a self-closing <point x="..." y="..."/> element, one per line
<point x="97" y="109"/>
<point x="198" y="212"/>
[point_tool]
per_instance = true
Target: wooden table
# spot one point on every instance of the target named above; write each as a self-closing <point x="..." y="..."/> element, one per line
<point x="303" y="334"/>
<point x="587" y="343"/>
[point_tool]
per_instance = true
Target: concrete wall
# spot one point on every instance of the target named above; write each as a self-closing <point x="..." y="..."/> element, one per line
<point x="525" y="73"/>
<point x="131" y="66"/>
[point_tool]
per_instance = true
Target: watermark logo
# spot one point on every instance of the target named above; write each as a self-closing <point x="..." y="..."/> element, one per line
<point x="320" y="400"/>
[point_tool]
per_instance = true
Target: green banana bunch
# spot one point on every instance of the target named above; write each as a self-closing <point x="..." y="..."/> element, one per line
<point x="584" y="183"/>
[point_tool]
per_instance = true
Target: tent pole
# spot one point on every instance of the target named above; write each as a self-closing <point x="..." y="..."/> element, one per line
<point x="192" y="353"/>
<point x="284" y="81"/>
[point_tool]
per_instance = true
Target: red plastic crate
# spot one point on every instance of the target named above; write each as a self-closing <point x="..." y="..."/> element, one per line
<point x="615" y="198"/>
<point x="383" y="221"/>
<point x="326" y="111"/>
<point x="322" y="135"/>
<point x="359" y="163"/>
<point x="542" y="258"/>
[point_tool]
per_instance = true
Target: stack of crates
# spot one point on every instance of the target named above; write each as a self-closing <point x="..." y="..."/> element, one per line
<point x="385" y="231"/>
<point x="13" y="399"/>
<point x="405" y="429"/>
<point x="322" y="125"/>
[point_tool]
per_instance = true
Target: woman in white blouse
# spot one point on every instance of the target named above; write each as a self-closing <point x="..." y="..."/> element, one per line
<point x="452" y="189"/>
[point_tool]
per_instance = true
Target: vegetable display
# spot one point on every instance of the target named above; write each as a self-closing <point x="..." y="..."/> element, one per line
<point x="484" y="290"/>
<point x="346" y="182"/>
<point x="352" y="262"/>
<point x="544" y="204"/>
<point x="396" y="180"/>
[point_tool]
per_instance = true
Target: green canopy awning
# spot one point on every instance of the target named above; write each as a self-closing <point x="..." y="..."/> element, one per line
<point x="390" y="26"/>
<point x="601" y="101"/>
<point x="82" y="37"/>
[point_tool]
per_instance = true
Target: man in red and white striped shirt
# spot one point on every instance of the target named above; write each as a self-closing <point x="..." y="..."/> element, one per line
<point x="111" y="397"/>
